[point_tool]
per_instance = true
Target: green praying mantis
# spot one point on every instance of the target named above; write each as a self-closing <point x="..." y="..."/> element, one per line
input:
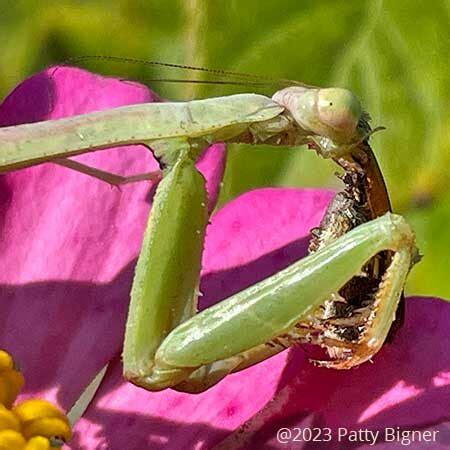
<point x="343" y="296"/>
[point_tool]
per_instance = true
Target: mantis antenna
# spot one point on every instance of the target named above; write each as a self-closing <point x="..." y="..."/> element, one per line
<point x="258" y="80"/>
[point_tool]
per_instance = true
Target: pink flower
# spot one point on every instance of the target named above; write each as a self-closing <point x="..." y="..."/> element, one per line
<point x="67" y="249"/>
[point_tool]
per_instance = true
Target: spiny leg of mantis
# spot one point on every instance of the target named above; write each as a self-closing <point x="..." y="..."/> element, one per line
<point x="165" y="286"/>
<point x="168" y="345"/>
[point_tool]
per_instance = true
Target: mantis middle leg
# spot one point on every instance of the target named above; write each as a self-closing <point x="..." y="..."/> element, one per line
<point x="110" y="178"/>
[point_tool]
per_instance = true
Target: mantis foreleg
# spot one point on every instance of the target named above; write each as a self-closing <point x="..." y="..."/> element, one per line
<point x="165" y="285"/>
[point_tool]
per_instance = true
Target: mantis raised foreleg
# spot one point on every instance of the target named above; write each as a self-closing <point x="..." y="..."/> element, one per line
<point x="166" y="343"/>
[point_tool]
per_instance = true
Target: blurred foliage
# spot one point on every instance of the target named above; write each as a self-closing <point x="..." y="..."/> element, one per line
<point x="393" y="54"/>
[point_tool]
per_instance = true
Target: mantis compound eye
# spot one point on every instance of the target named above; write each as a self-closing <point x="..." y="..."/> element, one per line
<point x="333" y="113"/>
<point x="340" y="110"/>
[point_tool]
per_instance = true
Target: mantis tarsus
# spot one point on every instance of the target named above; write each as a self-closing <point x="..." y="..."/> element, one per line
<point x="343" y="296"/>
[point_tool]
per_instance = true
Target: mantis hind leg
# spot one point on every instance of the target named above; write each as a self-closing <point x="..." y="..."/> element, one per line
<point x="241" y="330"/>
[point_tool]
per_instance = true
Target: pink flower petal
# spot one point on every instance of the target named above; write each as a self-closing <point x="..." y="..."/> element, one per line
<point x="256" y="235"/>
<point x="69" y="242"/>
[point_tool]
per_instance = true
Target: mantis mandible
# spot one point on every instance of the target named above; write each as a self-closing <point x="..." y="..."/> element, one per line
<point x="343" y="296"/>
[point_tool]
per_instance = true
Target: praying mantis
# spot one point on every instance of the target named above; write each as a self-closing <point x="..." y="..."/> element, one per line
<point x="343" y="296"/>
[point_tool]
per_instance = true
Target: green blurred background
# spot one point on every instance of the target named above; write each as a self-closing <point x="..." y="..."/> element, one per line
<point x="393" y="54"/>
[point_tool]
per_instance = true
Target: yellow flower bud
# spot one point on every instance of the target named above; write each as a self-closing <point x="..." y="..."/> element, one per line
<point x="41" y="418"/>
<point x="31" y="424"/>
<point x="37" y="443"/>
<point x="11" y="382"/>
<point x="10" y="439"/>
<point x="8" y="420"/>
<point x="6" y="362"/>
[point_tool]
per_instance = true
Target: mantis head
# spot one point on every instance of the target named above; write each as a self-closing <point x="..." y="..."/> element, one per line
<point x="333" y="113"/>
